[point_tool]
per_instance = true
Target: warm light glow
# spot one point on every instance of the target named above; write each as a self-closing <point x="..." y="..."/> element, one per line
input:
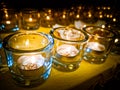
<point x="8" y="22"/>
<point x="64" y="16"/>
<point x="89" y="14"/>
<point x="96" y="46"/>
<point x="48" y="17"/>
<point x="108" y="15"/>
<point x="30" y="19"/>
<point x="67" y="50"/>
<point x="77" y="16"/>
<point x="108" y="8"/>
<point x="98" y="8"/>
<point x="109" y="26"/>
<point x="103" y="26"/>
<point x="104" y="8"/>
<point x="101" y="16"/>
<point x="27" y="42"/>
<point x="29" y="62"/>
<point x="111" y="16"/>
<point x="114" y="19"/>
<point x="84" y="25"/>
<point x="6" y="15"/>
<point x="116" y="40"/>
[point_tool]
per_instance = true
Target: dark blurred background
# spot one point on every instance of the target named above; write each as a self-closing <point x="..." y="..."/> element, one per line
<point x="59" y="3"/>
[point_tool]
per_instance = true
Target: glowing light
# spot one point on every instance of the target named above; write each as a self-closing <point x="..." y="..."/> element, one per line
<point x="101" y="16"/>
<point x="27" y="42"/>
<point x="108" y="8"/>
<point x="111" y="16"/>
<point x="6" y="15"/>
<point x="77" y="16"/>
<point x="98" y="8"/>
<point x="30" y="19"/>
<point x="114" y="19"/>
<point x="64" y="16"/>
<point x="8" y="22"/>
<point x="67" y="50"/>
<point x="48" y="17"/>
<point x="84" y="25"/>
<point x="96" y="46"/>
<point x="108" y="15"/>
<point x="116" y="40"/>
<point x="103" y="26"/>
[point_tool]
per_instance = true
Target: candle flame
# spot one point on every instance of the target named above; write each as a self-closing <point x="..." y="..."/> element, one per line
<point x="30" y="19"/>
<point x="47" y="17"/>
<point x="8" y="22"/>
<point x="27" y="42"/>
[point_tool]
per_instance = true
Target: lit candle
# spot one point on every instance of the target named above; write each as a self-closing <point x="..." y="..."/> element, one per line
<point x="96" y="46"/>
<point x="30" y="62"/>
<point x="69" y="34"/>
<point x="67" y="50"/>
<point x="31" y="21"/>
<point x="8" y="22"/>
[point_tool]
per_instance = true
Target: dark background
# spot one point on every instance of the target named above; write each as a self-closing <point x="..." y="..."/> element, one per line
<point x="59" y="3"/>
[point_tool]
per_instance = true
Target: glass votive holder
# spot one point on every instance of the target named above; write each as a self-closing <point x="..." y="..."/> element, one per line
<point x="67" y="48"/>
<point x="9" y="21"/>
<point x="9" y="24"/>
<point x="47" y="19"/>
<point x="116" y="47"/>
<point x="30" y="19"/>
<point x="28" y="57"/>
<point x="99" y="44"/>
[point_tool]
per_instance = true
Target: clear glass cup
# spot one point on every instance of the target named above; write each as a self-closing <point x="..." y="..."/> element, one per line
<point x="9" y="24"/>
<point x="68" y="47"/>
<point x="47" y="18"/>
<point x="99" y="44"/>
<point x="9" y="20"/>
<point x="116" y="47"/>
<point x="28" y="57"/>
<point x="30" y="19"/>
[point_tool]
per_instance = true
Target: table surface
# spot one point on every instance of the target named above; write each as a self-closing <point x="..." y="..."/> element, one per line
<point x="81" y="79"/>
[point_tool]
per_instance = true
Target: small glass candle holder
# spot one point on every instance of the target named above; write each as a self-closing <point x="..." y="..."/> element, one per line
<point x="29" y="57"/>
<point x="68" y="47"/>
<point x="30" y="19"/>
<point x="9" y="21"/>
<point x="99" y="44"/>
<point x="9" y="24"/>
<point x="47" y="19"/>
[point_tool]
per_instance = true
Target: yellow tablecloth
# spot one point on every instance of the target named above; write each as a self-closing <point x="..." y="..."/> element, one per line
<point x="84" y="78"/>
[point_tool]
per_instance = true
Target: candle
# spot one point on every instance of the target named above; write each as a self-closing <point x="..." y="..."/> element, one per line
<point x="96" y="46"/>
<point x="69" y="34"/>
<point x="67" y="50"/>
<point x="32" y="22"/>
<point x="8" y="22"/>
<point x="30" y="62"/>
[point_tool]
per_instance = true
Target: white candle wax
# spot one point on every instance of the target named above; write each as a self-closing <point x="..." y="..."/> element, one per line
<point x="69" y="34"/>
<point x="67" y="50"/>
<point x="96" y="46"/>
<point x="30" y="62"/>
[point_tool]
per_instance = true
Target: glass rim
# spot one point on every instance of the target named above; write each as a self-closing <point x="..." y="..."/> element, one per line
<point x="67" y="40"/>
<point x="9" y="48"/>
<point x="100" y="28"/>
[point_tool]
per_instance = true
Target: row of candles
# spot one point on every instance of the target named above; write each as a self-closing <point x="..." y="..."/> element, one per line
<point x="49" y="17"/>
<point x="30" y="19"/>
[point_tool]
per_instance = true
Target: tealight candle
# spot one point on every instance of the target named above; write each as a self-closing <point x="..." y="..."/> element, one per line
<point x="96" y="46"/>
<point x="29" y="57"/>
<point x="30" y="62"/>
<point x="67" y="50"/>
<point x="30" y="19"/>
<point x="99" y="44"/>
